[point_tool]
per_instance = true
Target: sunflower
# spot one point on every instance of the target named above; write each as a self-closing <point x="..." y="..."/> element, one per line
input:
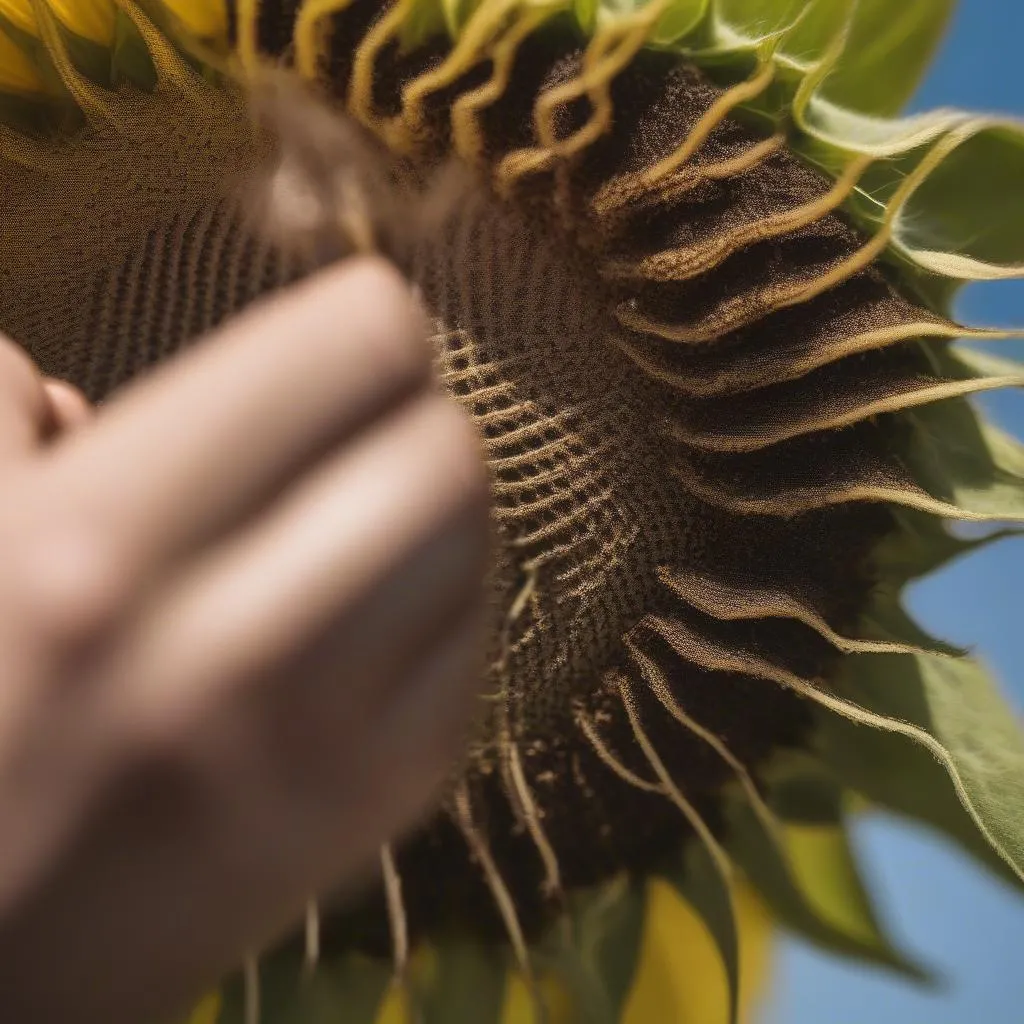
<point x="692" y="281"/>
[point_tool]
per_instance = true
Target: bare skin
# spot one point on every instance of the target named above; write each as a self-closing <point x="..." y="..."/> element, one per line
<point x="240" y="642"/>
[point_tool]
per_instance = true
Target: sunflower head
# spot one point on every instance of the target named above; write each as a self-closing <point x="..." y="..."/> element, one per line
<point x="692" y="284"/>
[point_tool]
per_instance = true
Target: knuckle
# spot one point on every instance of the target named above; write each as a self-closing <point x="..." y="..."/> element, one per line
<point x="165" y="739"/>
<point x="70" y="586"/>
<point x="157" y="746"/>
<point x="168" y="776"/>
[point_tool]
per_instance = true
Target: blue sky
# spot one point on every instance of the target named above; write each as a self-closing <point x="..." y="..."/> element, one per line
<point x="942" y="908"/>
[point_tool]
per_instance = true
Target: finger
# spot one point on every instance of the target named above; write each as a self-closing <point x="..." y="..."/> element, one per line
<point x="174" y="889"/>
<point x="69" y="408"/>
<point x="198" y="446"/>
<point x="24" y="409"/>
<point x="373" y="551"/>
<point x="269" y="756"/>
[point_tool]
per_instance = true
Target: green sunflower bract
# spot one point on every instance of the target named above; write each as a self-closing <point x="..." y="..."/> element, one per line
<point x="695" y="293"/>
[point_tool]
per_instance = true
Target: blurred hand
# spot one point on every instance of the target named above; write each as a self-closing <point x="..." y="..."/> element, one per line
<point x="239" y="641"/>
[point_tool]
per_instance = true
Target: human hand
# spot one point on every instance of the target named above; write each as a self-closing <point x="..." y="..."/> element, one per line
<point x="239" y="642"/>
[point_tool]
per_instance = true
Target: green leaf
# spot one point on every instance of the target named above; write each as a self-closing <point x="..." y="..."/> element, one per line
<point x="674" y="24"/>
<point x="426" y="20"/>
<point x="966" y="219"/>
<point x="456" y="13"/>
<point x="946" y="714"/>
<point x="678" y="21"/>
<point x="595" y="948"/>
<point x="887" y="620"/>
<point x="889" y="47"/>
<point x="820" y="26"/>
<point x="822" y="860"/>
<point x="921" y="544"/>
<point x="586" y="14"/>
<point x="960" y="459"/>
<point x="701" y="882"/>
<point x="808" y="876"/>
<point x="466" y="984"/>
<point x="755" y="20"/>
<point x="819" y="852"/>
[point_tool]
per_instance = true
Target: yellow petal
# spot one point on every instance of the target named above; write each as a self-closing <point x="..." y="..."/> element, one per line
<point x="681" y="977"/>
<point x="19" y="14"/>
<point x="17" y="73"/>
<point x="395" y="1008"/>
<point x="205" y="19"/>
<point x="90" y="19"/>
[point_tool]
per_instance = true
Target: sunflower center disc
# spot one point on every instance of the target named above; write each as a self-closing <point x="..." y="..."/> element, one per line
<point x="584" y="509"/>
<point x="624" y="463"/>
